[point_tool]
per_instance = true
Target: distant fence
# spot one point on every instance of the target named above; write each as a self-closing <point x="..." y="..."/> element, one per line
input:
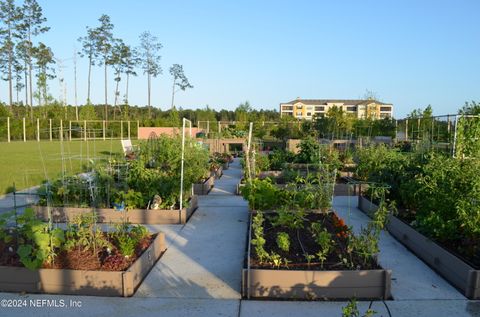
<point x="25" y="129"/>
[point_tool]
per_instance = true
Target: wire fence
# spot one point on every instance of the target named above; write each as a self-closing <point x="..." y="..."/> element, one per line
<point x="26" y="129"/>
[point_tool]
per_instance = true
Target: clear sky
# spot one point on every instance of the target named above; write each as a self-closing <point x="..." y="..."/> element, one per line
<point x="410" y="53"/>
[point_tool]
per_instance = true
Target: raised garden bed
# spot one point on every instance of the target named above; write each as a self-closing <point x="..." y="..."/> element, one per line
<point x="455" y="270"/>
<point x="239" y="186"/>
<point x="83" y="282"/>
<point x="225" y="166"/>
<point x="217" y="173"/>
<point x="205" y="187"/>
<point x="110" y="215"/>
<point x="302" y="280"/>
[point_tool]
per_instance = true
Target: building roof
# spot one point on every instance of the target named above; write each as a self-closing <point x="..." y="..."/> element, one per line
<point x="353" y="102"/>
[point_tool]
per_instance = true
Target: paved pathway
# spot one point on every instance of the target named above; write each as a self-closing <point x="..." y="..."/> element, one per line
<point x="199" y="275"/>
<point x="206" y="257"/>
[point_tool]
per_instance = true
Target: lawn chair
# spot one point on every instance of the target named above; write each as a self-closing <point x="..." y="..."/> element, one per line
<point x="128" y="149"/>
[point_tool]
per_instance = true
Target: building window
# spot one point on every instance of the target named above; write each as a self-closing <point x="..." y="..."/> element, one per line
<point x="299" y="106"/>
<point x="287" y="107"/>
<point x="309" y="114"/>
<point x="299" y="113"/>
<point x="385" y="109"/>
<point x="352" y="108"/>
<point x="384" y="115"/>
<point x="319" y="108"/>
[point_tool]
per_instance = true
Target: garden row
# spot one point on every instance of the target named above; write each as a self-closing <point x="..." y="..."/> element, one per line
<point x="39" y="255"/>
<point x="298" y="248"/>
<point x="438" y="211"/>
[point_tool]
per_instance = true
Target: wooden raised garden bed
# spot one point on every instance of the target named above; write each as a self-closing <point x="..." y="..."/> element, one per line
<point x="83" y="282"/>
<point x="217" y="173"/>
<point x="110" y="215"/>
<point x="298" y="283"/>
<point x="205" y="187"/>
<point x="225" y="166"/>
<point x="452" y="268"/>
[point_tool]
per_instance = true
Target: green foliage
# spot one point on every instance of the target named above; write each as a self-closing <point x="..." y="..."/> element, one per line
<point x="37" y="242"/>
<point x="293" y="219"/>
<point x="84" y="233"/>
<point x="131" y="198"/>
<point x="351" y="310"/>
<point x="261" y="194"/>
<point x="468" y="137"/>
<point x="258" y="240"/>
<point x="324" y="240"/>
<point x="283" y="241"/>
<point x="278" y="158"/>
<point x="309" y="151"/>
<point x="448" y="195"/>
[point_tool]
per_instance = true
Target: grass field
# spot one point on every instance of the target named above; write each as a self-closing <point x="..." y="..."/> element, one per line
<point x="29" y="163"/>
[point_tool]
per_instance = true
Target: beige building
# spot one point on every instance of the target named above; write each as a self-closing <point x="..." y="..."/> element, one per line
<point x="310" y="108"/>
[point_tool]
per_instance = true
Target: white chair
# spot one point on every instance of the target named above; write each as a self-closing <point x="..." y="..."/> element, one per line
<point x="127" y="147"/>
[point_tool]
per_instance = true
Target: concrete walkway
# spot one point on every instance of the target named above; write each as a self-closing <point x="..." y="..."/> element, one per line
<point x="199" y="275"/>
<point x="22" y="198"/>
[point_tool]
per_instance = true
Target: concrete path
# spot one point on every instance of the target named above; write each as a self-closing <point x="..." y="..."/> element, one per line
<point x="205" y="258"/>
<point x="199" y="275"/>
<point x="412" y="279"/>
<point x="22" y="198"/>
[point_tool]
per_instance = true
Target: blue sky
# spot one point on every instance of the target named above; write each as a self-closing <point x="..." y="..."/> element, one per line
<point x="410" y="53"/>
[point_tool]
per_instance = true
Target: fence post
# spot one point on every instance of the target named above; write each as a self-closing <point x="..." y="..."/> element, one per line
<point x="24" y="131"/>
<point x="121" y="129"/>
<point x="38" y="130"/>
<point x="104" y="130"/>
<point x="138" y="127"/>
<point x="61" y="130"/>
<point x="8" y="129"/>
<point x="84" y="130"/>
<point x="406" y="130"/>
<point x="129" y="129"/>
<point x="50" y="127"/>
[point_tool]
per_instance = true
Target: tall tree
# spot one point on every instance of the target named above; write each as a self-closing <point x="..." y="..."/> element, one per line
<point x="89" y="50"/>
<point x="19" y="85"/>
<point x="10" y="16"/>
<point x="180" y="81"/>
<point x="150" y="60"/>
<point x="132" y="62"/>
<point x="43" y="59"/>
<point x="32" y="24"/>
<point x="118" y="60"/>
<point x="104" y="43"/>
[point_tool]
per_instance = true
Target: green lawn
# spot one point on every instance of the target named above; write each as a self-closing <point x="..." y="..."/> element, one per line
<point x="29" y="163"/>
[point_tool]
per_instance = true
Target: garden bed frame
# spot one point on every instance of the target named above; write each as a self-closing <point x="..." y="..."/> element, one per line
<point x="311" y="284"/>
<point x="205" y="187"/>
<point x="83" y="282"/>
<point x="110" y="215"/>
<point x="218" y="173"/>
<point x="452" y="268"/>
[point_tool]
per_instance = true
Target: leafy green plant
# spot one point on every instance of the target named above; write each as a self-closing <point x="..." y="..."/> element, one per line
<point x="261" y="194"/>
<point x="309" y="151"/>
<point x="130" y="198"/>
<point x="293" y="219"/>
<point x="127" y="245"/>
<point x="37" y="242"/>
<point x="84" y="233"/>
<point x="258" y="240"/>
<point x="351" y="310"/>
<point x="283" y="241"/>
<point x="324" y="240"/>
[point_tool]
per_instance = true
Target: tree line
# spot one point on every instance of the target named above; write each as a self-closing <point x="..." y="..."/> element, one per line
<point x="24" y="60"/>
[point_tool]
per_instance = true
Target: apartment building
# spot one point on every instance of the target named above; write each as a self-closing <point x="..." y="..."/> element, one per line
<point x="309" y="108"/>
